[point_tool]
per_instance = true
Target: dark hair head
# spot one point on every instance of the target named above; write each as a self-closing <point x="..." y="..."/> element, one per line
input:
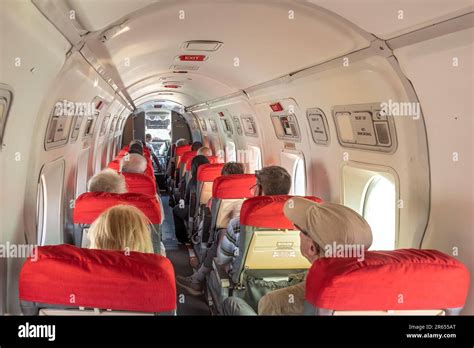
<point x="136" y="148"/>
<point x="196" y="162"/>
<point x="136" y="141"/>
<point x="148" y="136"/>
<point x="233" y="168"/>
<point x="196" y="146"/>
<point x="274" y="180"/>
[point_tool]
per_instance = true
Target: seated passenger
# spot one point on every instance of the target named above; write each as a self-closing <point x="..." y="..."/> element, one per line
<point x="172" y="163"/>
<point x="135" y="146"/>
<point x="228" y="169"/>
<point x="182" y="142"/>
<point x="148" y="139"/>
<point x="205" y="151"/>
<point x="107" y="180"/>
<point x="233" y="168"/>
<point x="133" y="163"/>
<point x="196" y="146"/>
<point x="181" y="211"/>
<point x="122" y="227"/>
<point x="322" y="226"/>
<point x="272" y="180"/>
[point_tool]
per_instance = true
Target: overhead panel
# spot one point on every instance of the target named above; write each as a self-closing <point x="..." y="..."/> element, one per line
<point x="365" y="126"/>
<point x="318" y="125"/>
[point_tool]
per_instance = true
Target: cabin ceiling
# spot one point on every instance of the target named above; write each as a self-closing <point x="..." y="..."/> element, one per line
<point x="258" y="33"/>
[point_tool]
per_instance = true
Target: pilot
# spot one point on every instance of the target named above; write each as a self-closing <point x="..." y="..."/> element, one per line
<point x="272" y="180"/>
<point x="322" y="226"/>
<point x="107" y="180"/>
<point x="181" y="210"/>
<point x="133" y="163"/>
<point x="122" y="227"/>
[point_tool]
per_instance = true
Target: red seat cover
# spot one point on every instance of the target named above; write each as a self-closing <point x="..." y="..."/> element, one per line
<point x="405" y="279"/>
<point x="150" y="172"/>
<point x="214" y="159"/>
<point x="115" y="164"/>
<point x="208" y="172"/>
<point x="267" y="212"/>
<point x="90" y="205"/>
<point x="180" y="150"/>
<point x="211" y="159"/>
<point x="188" y="156"/>
<point x="124" y="150"/>
<point x="233" y="186"/>
<point x="140" y="183"/>
<point x="98" y="279"/>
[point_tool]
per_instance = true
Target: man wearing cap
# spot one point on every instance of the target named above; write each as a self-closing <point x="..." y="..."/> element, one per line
<point x="322" y="227"/>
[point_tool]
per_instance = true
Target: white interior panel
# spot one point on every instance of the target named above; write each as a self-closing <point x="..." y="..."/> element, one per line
<point x="449" y="110"/>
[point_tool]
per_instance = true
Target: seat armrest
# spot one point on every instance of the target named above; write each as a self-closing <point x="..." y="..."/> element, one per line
<point x="221" y="273"/>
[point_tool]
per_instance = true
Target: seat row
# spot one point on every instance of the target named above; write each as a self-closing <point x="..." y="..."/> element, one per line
<point x="102" y="279"/>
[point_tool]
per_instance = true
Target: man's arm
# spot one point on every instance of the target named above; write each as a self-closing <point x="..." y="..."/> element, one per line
<point x="228" y="244"/>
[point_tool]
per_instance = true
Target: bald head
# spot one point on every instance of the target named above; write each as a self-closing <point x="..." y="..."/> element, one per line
<point x="205" y="151"/>
<point x="133" y="163"/>
<point x="107" y="180"/>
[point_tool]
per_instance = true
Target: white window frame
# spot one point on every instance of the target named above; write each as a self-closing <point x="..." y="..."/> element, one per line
<point x="290" y="160"/>
<point x="356" y="179"/>
<point x="49" y="214"/>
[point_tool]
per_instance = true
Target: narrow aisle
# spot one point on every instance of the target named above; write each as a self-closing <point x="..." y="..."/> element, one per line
<point x="179" y="257"/>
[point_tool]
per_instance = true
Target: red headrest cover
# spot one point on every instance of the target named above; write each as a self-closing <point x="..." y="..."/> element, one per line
<point x="115" y="164"/>
<point x="124" y="150"/>
<point x="150" y="172"/>
<point x="211" y="159"/>
<point x="208" y="172"/>
<point x="90" y="205"/>
<point x="267" y="212"/>
<point x="140" y="183"/>
<point x="180" y="150"/>
<point x="187" y="156"/>
<point x="405" y="279"/>
<point x="120" y="154"/>
<point x="99" y="279"/>
<point x="233" y="186"/>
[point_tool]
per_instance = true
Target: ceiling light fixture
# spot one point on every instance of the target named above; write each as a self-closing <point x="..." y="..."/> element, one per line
<point x="113" y="32"/>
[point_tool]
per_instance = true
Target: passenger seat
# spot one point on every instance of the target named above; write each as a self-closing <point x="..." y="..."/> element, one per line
<point x="90" y="205"/>
<point x="269" y="252"/>
<point x="140" y="183"/>
<point x="397" y="282"/>
<point x="228" y="194"/>
<point x="67" y="280"/>
<point x="199" y="199"/>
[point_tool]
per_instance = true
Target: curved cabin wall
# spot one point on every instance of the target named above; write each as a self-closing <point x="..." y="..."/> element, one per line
<point x="370" y="80"/>
<point x="30" y="70"/>
<point x="45" y="76"/>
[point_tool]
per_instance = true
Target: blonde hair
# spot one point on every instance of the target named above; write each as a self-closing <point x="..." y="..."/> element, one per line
<point x="122" y="227"/>
<point x="205" y="151"/>
<point x="107" y="180"/>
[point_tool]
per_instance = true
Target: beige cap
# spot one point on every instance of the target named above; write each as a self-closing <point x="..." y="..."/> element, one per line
<point x="327" y="223"/>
